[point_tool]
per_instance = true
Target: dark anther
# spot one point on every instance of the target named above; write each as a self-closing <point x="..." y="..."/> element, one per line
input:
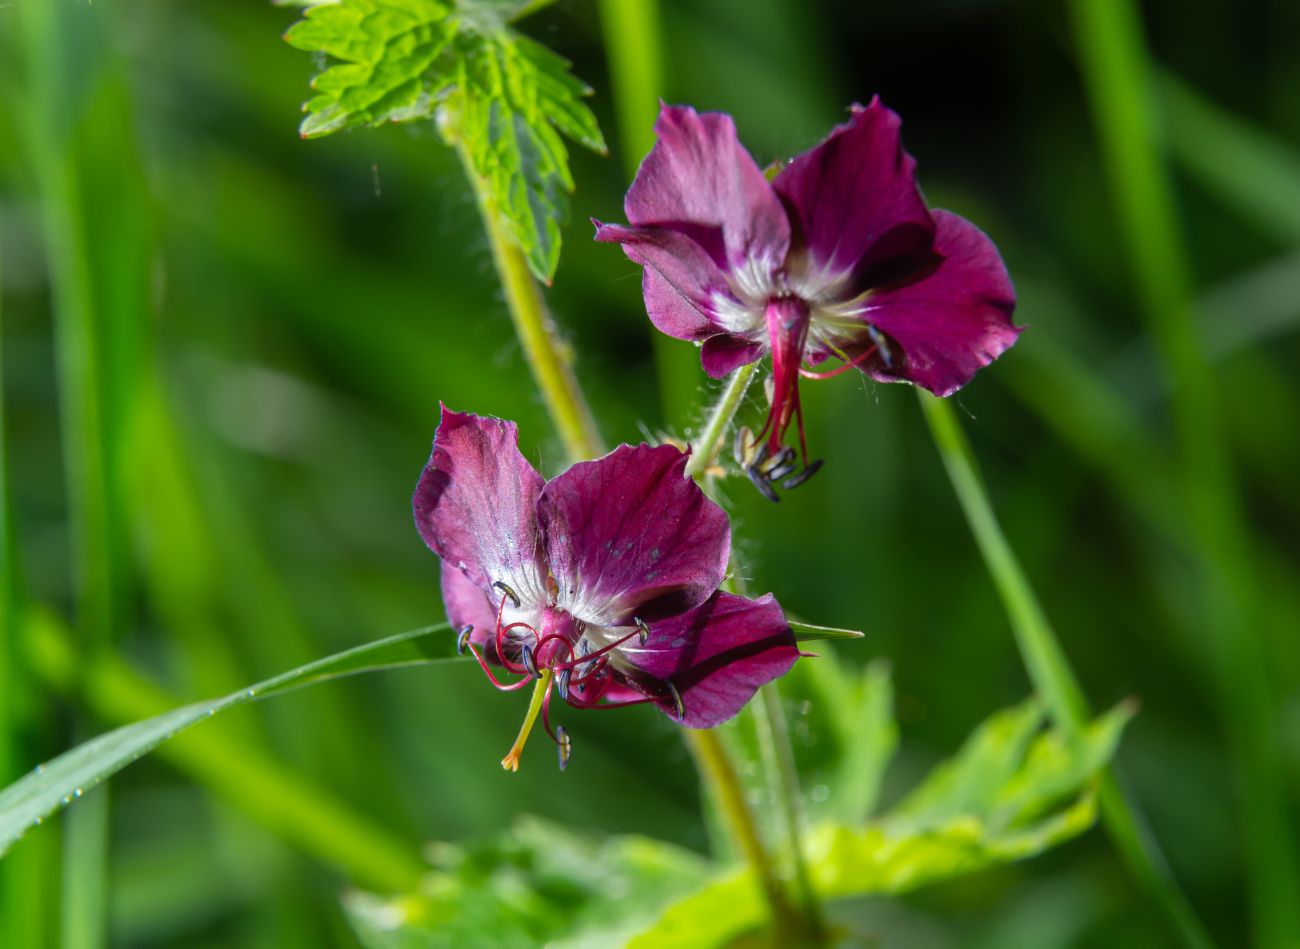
<point x="504" y="588"/>
<point x="584" y="650"/>
<point x="530" y="662"/>
<point x="562" y="683"/>
<point x="782" y="458"/>
<point x="781" y="470"/>
<point x="802" y="476"/>
<point x="462" y="639"/>
<point x="645" y="629"/>
<point x="882" y="346"/>
<point x="677" y="700"/>
<point x="761" y="483"/>
<point x="563" y="747"/>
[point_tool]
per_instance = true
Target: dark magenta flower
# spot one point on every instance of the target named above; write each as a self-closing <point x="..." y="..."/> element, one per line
<point x="837" y="257"/>
<point x="601" y="584"/>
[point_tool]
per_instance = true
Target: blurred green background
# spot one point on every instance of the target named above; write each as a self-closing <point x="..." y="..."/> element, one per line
<point x="223" y="351"/>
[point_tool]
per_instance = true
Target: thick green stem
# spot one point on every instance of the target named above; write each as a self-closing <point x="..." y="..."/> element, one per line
<point x="706" y="448"/>
<point x="773" y="734"/>
<point x="1118" y="76"/>
<point x="546" y="355"/>
<point x="783" y="776"/>
<point x="1049" y="669"/>
<point x="719" y="772"/>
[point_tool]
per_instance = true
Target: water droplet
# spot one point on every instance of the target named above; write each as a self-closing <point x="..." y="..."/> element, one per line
<point x="39" y="821"/>
<point x="249" y="693"/>
<point x="77" y="792"/>
<point x="820" y="794"/>
<point x="39" y="769"/>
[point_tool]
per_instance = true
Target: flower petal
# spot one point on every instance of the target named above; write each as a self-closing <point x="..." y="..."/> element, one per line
<point x="854" y="202"/>
<point x="680" y="281"/>
<point x="951" y="323"/>
<point x="469" y="605"/>
<point x="476" y="504"/>
<point x="629" y="534"/>
<point x="699" y="180"/>
<point x="716" y="656"/>
<point x="722" y="354"/>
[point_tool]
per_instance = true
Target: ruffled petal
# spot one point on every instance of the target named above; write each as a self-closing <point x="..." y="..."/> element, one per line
<point x="630" y="535"/>
<point x="681" y="283"/>
<point x="716" y="656"/>
<point x="699" y="180"/>
<point x="951" y="323"/>
<point x="855" y="207"/>
<point x="469" y="605"/>
<point x="476" y="505"/>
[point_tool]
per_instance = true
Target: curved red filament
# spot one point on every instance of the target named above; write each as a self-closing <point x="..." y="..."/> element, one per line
<point x="857" y="360"/>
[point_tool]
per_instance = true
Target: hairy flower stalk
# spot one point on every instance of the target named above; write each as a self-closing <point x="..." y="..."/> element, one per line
<point x="601" y="585"/>
<point x="835" y="259"/>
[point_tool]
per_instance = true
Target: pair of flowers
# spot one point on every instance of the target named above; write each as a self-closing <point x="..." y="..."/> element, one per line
<point x="603" y="584"/>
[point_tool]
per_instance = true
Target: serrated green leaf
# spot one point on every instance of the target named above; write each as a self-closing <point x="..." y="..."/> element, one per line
<point x="502" y="98"/>
<point x="1007" y="795"/>
<point x="58" y="783"/>
<point x="968" y="782"/>
<point x="536" y="883"/>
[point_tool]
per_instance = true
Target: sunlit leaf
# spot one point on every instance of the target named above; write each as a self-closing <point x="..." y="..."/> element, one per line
<point x="1009" y="794"/>
<point x="500" y="97"/>
<point x="54" y="785"/>
<point x="534" y="883"/>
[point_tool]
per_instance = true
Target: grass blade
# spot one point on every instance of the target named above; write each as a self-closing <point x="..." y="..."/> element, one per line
<point x="1118" y="76"/>
<point x="54" y="785"/>
<point x="1048" y="668"/>
<point x="1245" y="167"/>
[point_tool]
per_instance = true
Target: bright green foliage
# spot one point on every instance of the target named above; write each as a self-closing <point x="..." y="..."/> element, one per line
<point x="501" y="98"/>
<point x="535" y="883"/>
<point x="388" y="49"/>
<point x="1011" y="792"/>
<point x="1006" y="796"/>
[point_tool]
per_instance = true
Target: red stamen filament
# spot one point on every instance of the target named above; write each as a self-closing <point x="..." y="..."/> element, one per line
<point x="487" y="671"/>
<point x="857" y="360"/>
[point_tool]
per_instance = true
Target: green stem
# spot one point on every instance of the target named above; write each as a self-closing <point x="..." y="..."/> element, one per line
<point x="773" y="734"/>
<point x="1118" y="76"/>
<point x="1048" y="668"/>
<point x="719" y="772"/>
<point x="546" y="355"/>
<point x="783" y="776"/>
<point x="705" y="450"/>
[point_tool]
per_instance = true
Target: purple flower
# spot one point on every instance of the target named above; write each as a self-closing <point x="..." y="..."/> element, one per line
<point x="601" y="584"/>
<point x="837" y="257"/>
